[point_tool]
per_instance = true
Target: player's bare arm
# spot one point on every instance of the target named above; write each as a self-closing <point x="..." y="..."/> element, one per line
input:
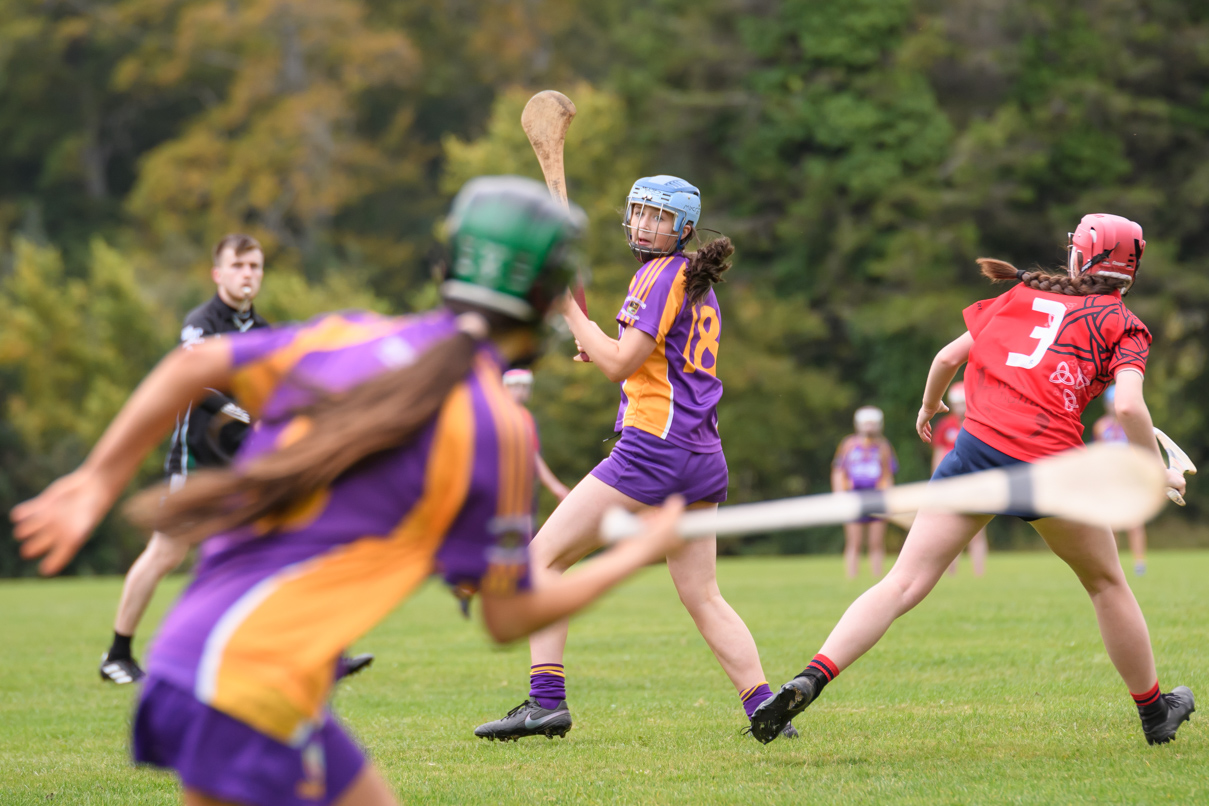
<point x="60" y="520"/>
<point x="1134" y="417"/>
<point x="508" y="618"/>
<point x="618" y="359"/>
<point x="944" y="366"/>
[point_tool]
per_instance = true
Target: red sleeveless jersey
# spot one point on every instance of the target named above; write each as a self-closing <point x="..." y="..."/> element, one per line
<point x="1038" y="359"/>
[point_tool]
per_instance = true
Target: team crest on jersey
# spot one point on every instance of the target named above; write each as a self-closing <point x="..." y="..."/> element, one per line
<point x="191" y="335"/>
<point x="632" y="306"/>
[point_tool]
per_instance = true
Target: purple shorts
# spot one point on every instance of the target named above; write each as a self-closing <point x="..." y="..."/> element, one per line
<point x="228" y="760"/>
<point x="648" y="469"/>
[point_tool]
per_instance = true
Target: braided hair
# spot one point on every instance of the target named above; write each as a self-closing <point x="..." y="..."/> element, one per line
<point x="1000" y="271"/>
<point x="706" y="267"/>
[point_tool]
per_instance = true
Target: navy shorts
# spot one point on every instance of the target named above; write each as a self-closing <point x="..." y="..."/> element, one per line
<point x="649" y="469"/>
<point x="971" y="455"/>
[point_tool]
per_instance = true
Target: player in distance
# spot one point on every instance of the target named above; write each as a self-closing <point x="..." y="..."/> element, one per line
<point x="864" y="461"/>
<point x="519" y="383"/>
<point x="1036" y="355"/>
<point x="944" y="440"/>
<point x="206" y="435"/>
<point x="665" y="358"/>
<point x="387" y="448"/>
<point x="1108" y="429"/>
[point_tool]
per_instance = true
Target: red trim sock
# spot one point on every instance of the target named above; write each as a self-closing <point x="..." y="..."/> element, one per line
<point x="824" y="665"/>
<point x="1146" y="701"/>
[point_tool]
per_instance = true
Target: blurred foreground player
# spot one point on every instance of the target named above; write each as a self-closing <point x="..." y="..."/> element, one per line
<point x="1037" y="355"/>
<point x="864" y="461"/>
<point x="1108" y="429"/>
<point x="207" y="434"/>
<point x="519" y="383"/>
<point x="666" y="360"/>
<point x="944" y="439"/>
<point x="387" y="448"/>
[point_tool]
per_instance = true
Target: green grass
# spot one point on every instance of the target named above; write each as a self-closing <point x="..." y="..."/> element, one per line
<point x="993" y="690"/>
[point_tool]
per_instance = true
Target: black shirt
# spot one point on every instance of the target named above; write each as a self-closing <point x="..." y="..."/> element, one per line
<point x="208" y="433"/>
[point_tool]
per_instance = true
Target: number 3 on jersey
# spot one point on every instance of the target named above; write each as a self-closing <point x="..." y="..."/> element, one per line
<point x="1045" y="335"/>
<point x="705" y="329"/>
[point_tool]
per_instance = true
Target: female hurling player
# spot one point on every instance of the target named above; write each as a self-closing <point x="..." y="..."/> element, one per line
<point x="666" y="360"/>
<point x="1037" y="356"/>
<point x="387" y="449"/>
<point x="864" y="461"/>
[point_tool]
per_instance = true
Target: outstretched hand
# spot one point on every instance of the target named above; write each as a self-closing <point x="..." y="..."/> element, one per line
<point x="923" y="422"/>
<point x="55" y="524"/>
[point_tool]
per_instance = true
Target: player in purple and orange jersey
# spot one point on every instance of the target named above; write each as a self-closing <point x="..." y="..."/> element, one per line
<point x="666" y="360"/>
<point x="1108" y="429"/>
<point x="864" y="461"/>
<point x="944" y="439"/>
<point x="387" y="448"/>
<point x="1037" y="355"/>
<point x="519" y="383"/>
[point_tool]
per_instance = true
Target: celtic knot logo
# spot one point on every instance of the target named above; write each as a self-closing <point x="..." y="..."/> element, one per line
<point x="1068" y="397"/>
<point x="1063" y="375"/>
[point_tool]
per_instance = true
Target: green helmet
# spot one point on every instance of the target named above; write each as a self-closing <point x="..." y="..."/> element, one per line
<point x="509" y="244"/>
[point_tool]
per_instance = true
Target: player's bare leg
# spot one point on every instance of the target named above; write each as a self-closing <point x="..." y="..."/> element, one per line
<point x="934" y="540"/>
<point x="158" y="559"/>
<point x="978" y="552"/>
<point x="161" y="557"/>
<point x="877" y="548"/>
<point x="1091" y="552"/>
<point x="694" y="571"/>
<point x="1137" y="547"/>
<point x="852" y="548"/>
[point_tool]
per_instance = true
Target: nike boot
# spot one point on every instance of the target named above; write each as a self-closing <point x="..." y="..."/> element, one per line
<point x="773" y="716"/>
<point x="1160" y="727"/>
<point x="349" y="665"/>
<point x="528" y="719"/>
<point x="121" y="671"/>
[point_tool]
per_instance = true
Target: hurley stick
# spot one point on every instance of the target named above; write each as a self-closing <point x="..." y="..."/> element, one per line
<point x="1176" y="460"/>
<point x="1111" y="484"/>
<point x="545" y="120"/>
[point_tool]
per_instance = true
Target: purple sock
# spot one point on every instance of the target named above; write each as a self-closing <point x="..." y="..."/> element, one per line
<point x="754" y="696"/>
<point x="547" y="684"/>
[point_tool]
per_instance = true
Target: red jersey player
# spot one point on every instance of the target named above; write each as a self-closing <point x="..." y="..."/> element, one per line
<point x="944" y="439"/>
<point x="1037" y="356"/>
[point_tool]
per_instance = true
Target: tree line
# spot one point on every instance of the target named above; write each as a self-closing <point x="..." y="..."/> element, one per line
<point x="860" y="153"/>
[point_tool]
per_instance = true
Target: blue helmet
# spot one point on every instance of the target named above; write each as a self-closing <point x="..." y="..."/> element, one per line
<point x="668" y="194"/>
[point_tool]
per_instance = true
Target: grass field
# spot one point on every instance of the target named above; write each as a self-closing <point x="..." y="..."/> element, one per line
<point x="995" y="690"/>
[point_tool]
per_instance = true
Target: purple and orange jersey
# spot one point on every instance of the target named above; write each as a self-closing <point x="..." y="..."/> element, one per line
<point x="674" y="394"/>
<point x="257" y="633"/>
<point x="865" y="464"/>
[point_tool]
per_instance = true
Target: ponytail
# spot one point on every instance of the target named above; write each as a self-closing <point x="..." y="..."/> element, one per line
<point x="706" y="267"/>
<point x="999" y="271"/>
<point x="338" y="431"/>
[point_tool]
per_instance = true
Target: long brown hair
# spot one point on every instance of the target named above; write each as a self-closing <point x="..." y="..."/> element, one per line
<point x="1000" y="271"/>
<point x="706" y="267"/>
<point x="339" y="430"/>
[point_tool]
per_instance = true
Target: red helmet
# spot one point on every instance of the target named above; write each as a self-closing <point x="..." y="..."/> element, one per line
<point x="1105" y="244"/>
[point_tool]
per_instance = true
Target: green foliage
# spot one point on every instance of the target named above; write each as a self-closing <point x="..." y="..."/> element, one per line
<point x="860" y="154"/>
<point x="70" y="352"/>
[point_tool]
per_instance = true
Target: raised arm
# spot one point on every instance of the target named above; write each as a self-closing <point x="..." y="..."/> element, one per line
<point x="618" y="359"/>
<point x="60" y="520"/>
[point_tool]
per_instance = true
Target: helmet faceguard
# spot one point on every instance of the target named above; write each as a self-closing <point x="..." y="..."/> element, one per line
<point x="510" y="247"/>
<point x="667" y="196"/>
<point x="1105" y="244"/>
